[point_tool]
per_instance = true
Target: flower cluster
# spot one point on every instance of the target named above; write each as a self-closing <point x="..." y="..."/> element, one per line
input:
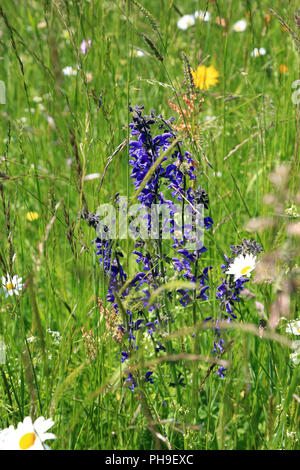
<point x="164" y="178"/>
<point x="293" y="328"/>
<point x="169" y="184"/>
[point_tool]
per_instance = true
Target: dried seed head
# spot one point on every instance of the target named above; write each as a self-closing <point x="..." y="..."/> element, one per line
<point x="279" y="176"/>
<point x="267" y="269"/>
<point x="112" y="322"/>
<point x="294" y="229"/>
<point x="259" y="224"/>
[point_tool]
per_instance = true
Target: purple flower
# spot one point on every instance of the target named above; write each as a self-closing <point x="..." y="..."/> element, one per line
<point x="148" y="376"/>
<point x="170" y="186"/>
<point x="132" y="381"/>
<point x="124" y="357"/>
<point x="85" y="46"/>
<point x="208" y="222"/>
<point x="221" y="372"/>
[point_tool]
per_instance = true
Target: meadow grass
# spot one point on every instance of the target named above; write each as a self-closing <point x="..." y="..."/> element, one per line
<point x="53" y="134"/>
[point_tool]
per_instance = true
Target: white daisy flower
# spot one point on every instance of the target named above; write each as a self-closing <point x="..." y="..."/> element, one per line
<point x="69" y="71"/>
<point x="293" y="327"/>
<point x="258" y="52"/>
<point x="242" y="266"/>
<point x="240" y="26"/>
<point x="11" y="286"/>
<point x="28" y="435"/>
<point x="186" y="21"/>
<point x="202" y="15"/>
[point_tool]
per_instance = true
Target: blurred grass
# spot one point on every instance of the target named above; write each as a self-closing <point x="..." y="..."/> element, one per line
<point x="251" y="101"/>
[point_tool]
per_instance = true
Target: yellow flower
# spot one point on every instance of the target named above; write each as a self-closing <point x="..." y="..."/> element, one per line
<point x="204" y="77"/>
<point x="32" y="216"/>
<point x="283" y="68"/>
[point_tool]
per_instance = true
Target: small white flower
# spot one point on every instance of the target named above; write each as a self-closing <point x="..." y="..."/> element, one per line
<point x="210" y="118"/>
<point x="258" y="52"/>
<point x="202" y="15"/>
<point x="69" y="71"/>
<point x="240" y="26"/>
<point x="138" y="53"/>
<point x="31" y="339"/>
<point x="293" y="327"/>
<point x="28" y="435"/>
<point x="11" y="285"/>
<point x="50" y="120"/>
<point x="55" y="335"/>
<point x="242" y="266"/>
<point x="292" y="211"/>
<point x="186" y="21"/>
<point x="37" y="99"/>
<point x="92" y="176"/>
<point x="295" y="356"/>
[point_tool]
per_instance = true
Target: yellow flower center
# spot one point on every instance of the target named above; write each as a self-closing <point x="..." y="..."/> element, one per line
<point x="245" y="269"/>
<point x="298" y="330"/>
<point x="27" y="440"/>
<point x="9" y="286"/>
